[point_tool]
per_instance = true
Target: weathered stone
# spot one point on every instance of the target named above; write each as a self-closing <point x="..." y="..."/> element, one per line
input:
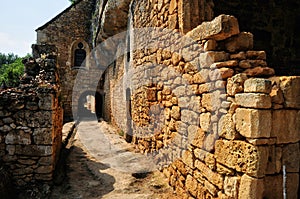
<point x="201" y="77"/>
<point x="205" y="121"/>
<point x="276" y="95"/>
<point x="211" y="188"/>
<point x="226" y="64"/>
<point x="285" y="126"/>
<point x="212" y="176"/>
<point x="42" y="136"/>
<point x="226" y="127"/>
<point x="235" y="84"/>
<point x="253" y="123"/>
<point x="291" y="157"/>
<point x="175" y="112"/>
<point x="254" y="100"/>
<point x="33" y="150"/>
<point x="210" y="45"/>
<point x="221" y="169"/>
<point x="191" y="185"/>
<point x="190" y="117"/>
<point x="211" y="101"/>
<point x="260" y="71"/>
<point x="251" y="187"/>
<point x="260" y="55"/>
<point x="222" y="27"/>
<point x="257" y="85"/>
<point x="45" y="102"/>
<point x="11" y="149"/>
<point x="199" y="138"/>
<point x="19" y="137"/>
<point x="222" y="73"/>
<point x="231" y="186"/>
<point x="176" y="59"/>
<point x="188" y="158"/>
<point x="290" y="87"/>
<point x="242" y="157"/>
<point x="44" y="169"/>
<point x="238" y="56"/>
<point x="173" y="6"/>
<point x="27" y="161"/>
<point x="208" y="58"/>
<point x="242" y="41"/>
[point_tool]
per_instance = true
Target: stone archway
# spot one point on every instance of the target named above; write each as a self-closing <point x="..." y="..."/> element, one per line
<point x="90" y="104"/>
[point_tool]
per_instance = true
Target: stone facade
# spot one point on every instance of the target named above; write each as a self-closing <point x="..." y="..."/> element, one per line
<point x="31" y="123"/>
<point x="188" y="85"/>
<point x="66" y="31"/>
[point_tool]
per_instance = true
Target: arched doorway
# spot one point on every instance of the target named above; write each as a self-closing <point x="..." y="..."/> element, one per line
<point x="90" y="105"/>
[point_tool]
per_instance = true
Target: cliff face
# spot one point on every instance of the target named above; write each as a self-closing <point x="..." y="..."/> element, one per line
<point x="110" y="18"/>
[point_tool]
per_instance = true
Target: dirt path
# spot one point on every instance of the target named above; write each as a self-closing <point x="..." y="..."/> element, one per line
<point x="88" y="178"/>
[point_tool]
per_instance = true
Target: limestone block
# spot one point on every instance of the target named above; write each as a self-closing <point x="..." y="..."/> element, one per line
<point x="18" y="137"/>
<point x="253" y="123"/>
<point x="201" y="77"/>
<point x="221" y="169"/>
<point x="260" y="71"/>
<point x="175" y="112"/>
<point x="44" y="169"/>
<point x="191" y="185"/>
<point x="226" y="127"/>
<point x="188" y="158"/>
<point x="257" y="85"/>
<point x="190" y="117"/>
<point x="285" y="126"/>
<point x="260" y="55"/>
<point x="242" y="157"/>
<point x="213" y="177"/>
<point x="253" y="100"/>
<point x="242" y="41"/>
<point x="198" y="139"/>
<point x="251" y="187"/>
<point x="173" y="6"/>
<point x="238" y="56"/>
<point x="231" y="186"/>
<point x="211" y="101"/>
<point x="290" y="87"/>
<point x="222" y="73"/>
<point x="45" y="101"/>
<point x="210" y="57"/>
<point x="205" y="121"/>
<point x="235" y="84"/>
<point x="291" y="157"/>
<point x="222" y="27"/>
<point x="276" y="95"/>
<point x="42" y="136"/>
<point x="33" y="150"/>
<point x="210" y="45"/>
<point x="211" y="188"/>
<point x="227" y="64"/>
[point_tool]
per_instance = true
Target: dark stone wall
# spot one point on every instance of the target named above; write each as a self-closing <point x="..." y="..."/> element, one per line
<point x="274" y="26"/>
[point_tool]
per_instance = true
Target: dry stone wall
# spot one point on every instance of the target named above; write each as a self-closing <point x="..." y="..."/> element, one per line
<point x="31" y="124"/>
<point x="221" y="105"/>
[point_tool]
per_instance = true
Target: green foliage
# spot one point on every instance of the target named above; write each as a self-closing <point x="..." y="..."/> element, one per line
<point x="73" y="1"/>
<point x="11" y="69"/>
<point x="7" y="59"/>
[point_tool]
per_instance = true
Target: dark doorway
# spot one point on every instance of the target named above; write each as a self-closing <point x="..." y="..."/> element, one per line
<point x="90" y="105"/>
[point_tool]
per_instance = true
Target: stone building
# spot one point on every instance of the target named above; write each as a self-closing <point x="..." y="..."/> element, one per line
<point x="194" y="76"/>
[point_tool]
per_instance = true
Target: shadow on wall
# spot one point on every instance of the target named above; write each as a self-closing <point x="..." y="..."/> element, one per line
<point x="274" y="25"/>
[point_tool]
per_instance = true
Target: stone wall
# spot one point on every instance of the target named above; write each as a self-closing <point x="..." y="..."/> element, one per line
<point x="274" y="26"/>
<point x="31" y="123"/>
<point x="219" y="108"/>
<point x="65" y="31"/>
